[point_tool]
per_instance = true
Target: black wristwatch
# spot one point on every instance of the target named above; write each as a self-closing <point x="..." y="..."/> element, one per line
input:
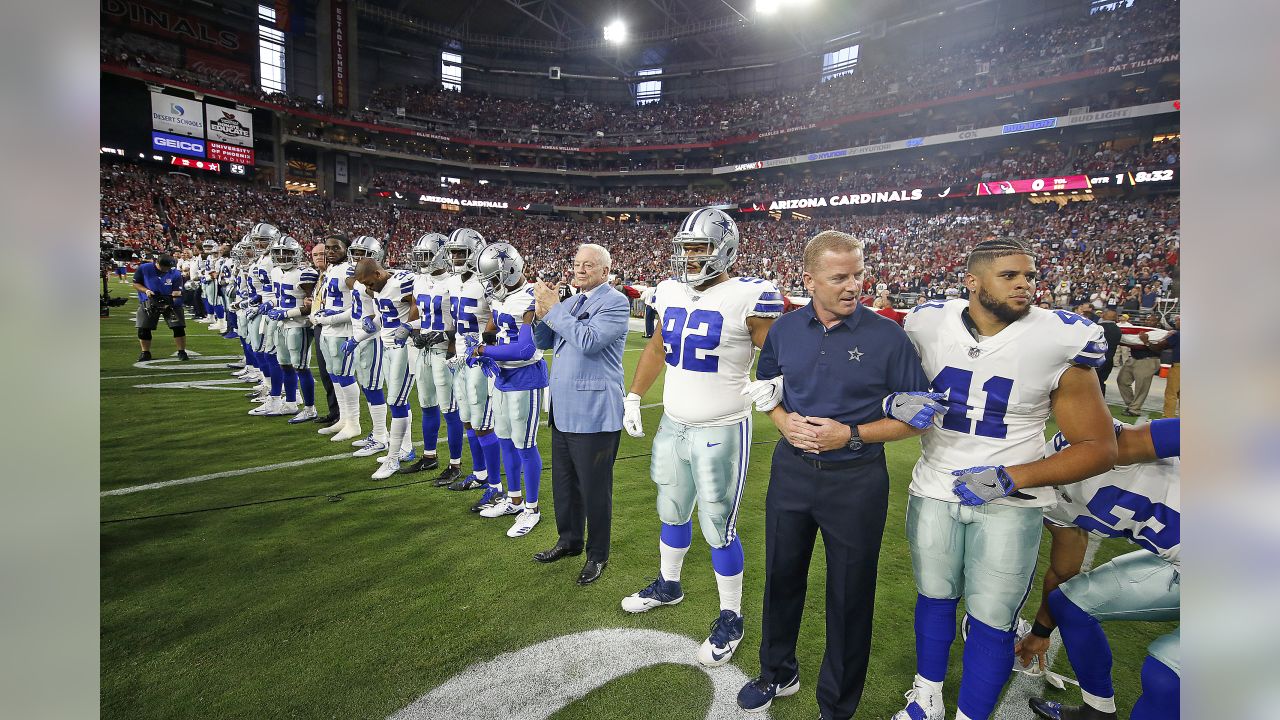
<point x="855" y="440"/>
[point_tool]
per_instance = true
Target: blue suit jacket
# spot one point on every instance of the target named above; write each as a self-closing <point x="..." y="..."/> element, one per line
<point x="586" y="364"/>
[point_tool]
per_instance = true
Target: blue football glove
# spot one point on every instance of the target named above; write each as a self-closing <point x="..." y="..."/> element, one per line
<point x="368" y="325"/>
<point x="349" y="346"/>
<point x="982" y="484"/>
<point x="328" y="312"/>
<point x="488" y="365"/>
<point x="275" y="314"/>
<point x="916" y="409"/>
<point x="267" y="307"/>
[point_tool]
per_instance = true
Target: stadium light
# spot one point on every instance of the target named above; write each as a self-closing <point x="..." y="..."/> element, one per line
<point x="767" y="7"/>
<point x="615" y="31"/>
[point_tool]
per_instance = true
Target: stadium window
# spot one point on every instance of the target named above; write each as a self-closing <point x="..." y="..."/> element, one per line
<point x="451" y="71"/>
<point x="270" y="51"/>
<point x="839" y="62"/>
<point x="649" y="91"/>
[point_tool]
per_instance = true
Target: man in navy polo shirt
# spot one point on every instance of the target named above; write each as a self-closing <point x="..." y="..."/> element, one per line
<point x="838" y="362"/>
<point x="159" y="286"/>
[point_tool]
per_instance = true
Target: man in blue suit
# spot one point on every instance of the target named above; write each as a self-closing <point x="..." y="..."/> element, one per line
<point x="586" y="334"/>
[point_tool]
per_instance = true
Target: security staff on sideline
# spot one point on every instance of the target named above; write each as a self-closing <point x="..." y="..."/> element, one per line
<point x="159" y="286"/>
<point x="840" y="364"/>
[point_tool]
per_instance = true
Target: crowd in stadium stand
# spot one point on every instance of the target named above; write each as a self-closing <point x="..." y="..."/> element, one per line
<point x="1144" y="31"/>
<point x="1035" y="161"/>
<point x="1090" y="252"/>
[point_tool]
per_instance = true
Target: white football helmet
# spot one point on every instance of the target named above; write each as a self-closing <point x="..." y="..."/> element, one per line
<point x="500" y="270"/>
<point x="287" y="253"/>
<point x="427" y="255"/>
<point x="210" y="247"/>
<point x="365" y="246"/>
<point x="463" y="245"/>
<point x="244" y="252"/>
<point x="264" y="235"/>
<point x="702" y="228"/>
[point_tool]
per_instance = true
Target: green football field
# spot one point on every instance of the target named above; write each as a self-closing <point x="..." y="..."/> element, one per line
<point x="310" y="591"/>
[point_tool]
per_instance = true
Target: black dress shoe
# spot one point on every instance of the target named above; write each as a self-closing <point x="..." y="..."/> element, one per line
<point x="327" y="420"/>
<point x="555" y="553"/>
<point x="591" y="572"/>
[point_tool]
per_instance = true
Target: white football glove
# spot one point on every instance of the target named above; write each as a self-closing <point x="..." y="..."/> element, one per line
<point x="631" y="420"/>
<point x="766" y="394"/>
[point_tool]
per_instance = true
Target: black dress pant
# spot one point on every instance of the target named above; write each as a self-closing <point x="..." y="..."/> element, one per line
<point x="848" y="507"/>
<point x="582" y="486"/>
<point x="1104" y="372"/>
<point x="329" y="395"/>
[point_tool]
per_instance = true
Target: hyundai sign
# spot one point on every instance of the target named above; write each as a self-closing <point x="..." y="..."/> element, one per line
<point x="177" y="144"/>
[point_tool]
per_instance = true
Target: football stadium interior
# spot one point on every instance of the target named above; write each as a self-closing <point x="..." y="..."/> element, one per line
<point x="254" y="567"/>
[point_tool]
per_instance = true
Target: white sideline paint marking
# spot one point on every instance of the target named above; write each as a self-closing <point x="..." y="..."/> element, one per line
<point x="1013" y="706"/>
<point x="165" y="374"/>
<point x="261" y="468"/>
<point x="565" y="669"/>
<point x="198" y="385"/>
<point x="208" y="362"/>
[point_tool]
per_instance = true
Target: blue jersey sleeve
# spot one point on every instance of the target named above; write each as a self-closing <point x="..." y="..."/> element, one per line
<point x="1166" y="436"/>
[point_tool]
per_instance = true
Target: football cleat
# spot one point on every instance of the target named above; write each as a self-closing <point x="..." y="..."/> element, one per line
<point x="363" y="440"/>
<point x="450" y="474"/>
<point x="426" y="462"/>
<point x="525" y="521"/>
<point x="271" y="403"/>
<point x="404" y="457"/>
<point x="757" y="695"/>
<point x="236" y="366"/>
<point x="231" y="335"/>
<point x="371" y="447"/>
<point x="501" y="506"/>
<point x="491" y="495"/>
<point x="285" y="408"/>
<point x="659" y="592"/>
<point x="386" y="469"/>
<point x="726" y="633"/>
<point x="333" y="429"/>
<point x="923" y="703"/>
<point x="306" y="414"/>
<point x="348" y="431"/>
<point x="1057" y="711"/>
<point x="144" y="355"/>
<point x="470" y="482"/>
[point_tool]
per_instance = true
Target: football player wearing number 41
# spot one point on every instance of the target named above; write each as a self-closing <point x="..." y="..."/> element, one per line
<point x="711" y="324"/>
<point x="976" y="495"/>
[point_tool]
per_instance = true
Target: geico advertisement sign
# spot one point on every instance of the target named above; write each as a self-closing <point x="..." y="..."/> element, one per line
<point x="177" y="144"/>
<point x="177" y="115"/>
<point x="852" y="199"/>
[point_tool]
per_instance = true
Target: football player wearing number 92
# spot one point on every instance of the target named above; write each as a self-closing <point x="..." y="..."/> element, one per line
<point x="711" y="323"/>
<point x="979" y="488"/>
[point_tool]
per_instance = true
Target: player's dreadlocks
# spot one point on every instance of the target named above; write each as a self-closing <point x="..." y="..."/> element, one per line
<point x="989" y="250"/>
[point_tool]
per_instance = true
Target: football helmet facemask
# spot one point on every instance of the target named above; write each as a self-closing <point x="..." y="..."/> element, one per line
<point x="707" y="240"/>
<point x="427" y="255"/>
<point x="463" y="245"/>
<point x="365" y="246"/>
<point x="264" y="235"/>
<point x="286" y="253"/>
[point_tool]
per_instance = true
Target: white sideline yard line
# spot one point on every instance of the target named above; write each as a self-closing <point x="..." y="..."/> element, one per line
<point x="1013" y="706"/>
<point x="252" y="470"/>
<point x="225" y="371"/>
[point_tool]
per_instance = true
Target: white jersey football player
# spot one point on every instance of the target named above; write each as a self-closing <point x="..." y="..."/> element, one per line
<point x="332" y="321"/>
<point x="293" y="282"/>
<point x="391" y="312"/>
<point x="263" y="235"/>
<point x="243" y="255"/>
<point x="1140" y="500"/>
<point x="433" y="346"/>
<point x="520" y="377"/>
<point x="223" y="272"/>
<point x="711" y="324"/>
<point x="1002" y="366"/>
<point x="208" y="288"/>
<point x="366" y="354"/>
<point x="470" y="310"/>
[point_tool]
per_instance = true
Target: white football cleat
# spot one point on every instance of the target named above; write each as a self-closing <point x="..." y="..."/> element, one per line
<point x="306" y="414"/>
<point x="285" y="408"/>
<point x="386" y="469"/>
<point x="348" y="431"/>
<point x="363" y="440"/>
<point x="525" y="522"/>
<point x="372" y="447"/>
<point x="503" y="506"/>
<point x="269" y="405"/>
<point x="726" y="634"/>
<point x="332" y="429"/>
<point x="923" y="703"/>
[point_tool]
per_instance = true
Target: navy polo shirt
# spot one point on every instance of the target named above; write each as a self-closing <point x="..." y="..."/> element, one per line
<point x="844" y="372"/>
<point x="149" y="276"/>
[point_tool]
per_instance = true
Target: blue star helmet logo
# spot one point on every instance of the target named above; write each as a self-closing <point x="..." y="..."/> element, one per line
<point x="726" y="227"/>
<point x="502" y="254"/>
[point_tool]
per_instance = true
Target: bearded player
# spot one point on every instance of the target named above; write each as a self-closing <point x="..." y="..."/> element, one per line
<point x="711" y="323"/>
<point x="1139" y="500"/>
<point x="518" y="387"/>
<point x="471" y="315"/>
<point x="432" y="350"/>
<point x="1003" y="365"/>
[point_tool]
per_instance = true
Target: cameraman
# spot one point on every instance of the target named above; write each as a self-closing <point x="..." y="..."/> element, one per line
<point x="159" y="286"/>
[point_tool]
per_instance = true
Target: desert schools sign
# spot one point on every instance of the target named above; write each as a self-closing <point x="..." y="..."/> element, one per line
<point x="852" y="199"/>
<point x="564" y="670"/>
